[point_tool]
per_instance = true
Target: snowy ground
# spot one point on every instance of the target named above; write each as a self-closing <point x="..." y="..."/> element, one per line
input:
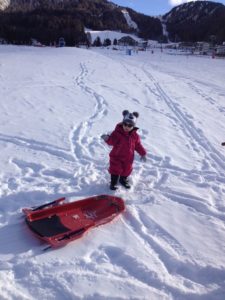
<point x="170" y="242"/>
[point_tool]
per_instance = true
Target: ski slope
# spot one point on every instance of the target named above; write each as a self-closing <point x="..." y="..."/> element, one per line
<point x="170" y="243"/>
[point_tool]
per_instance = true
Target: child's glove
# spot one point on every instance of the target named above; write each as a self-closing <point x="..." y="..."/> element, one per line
<point x="105" y="137"/>
<point x="143" y="158"/>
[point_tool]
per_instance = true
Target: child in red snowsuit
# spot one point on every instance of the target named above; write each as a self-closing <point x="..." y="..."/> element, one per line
<point x="125" y="140"/>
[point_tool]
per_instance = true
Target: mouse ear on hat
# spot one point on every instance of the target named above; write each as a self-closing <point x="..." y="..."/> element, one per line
<point x="136" y="114"/>
<point x="125" y="112"/>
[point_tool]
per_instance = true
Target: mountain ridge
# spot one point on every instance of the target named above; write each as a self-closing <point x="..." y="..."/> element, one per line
<point x="45" y="20"/>
<point x="194" y="21"/>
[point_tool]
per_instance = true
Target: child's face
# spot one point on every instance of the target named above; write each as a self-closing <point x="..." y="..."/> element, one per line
<point x="127" y="127"/>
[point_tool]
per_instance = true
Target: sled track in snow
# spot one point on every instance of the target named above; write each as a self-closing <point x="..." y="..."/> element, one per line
<point x="209" y="176"/>
<point x="83" y="145"/>
<point x="165" y="250"/>
<point x="206" y="148"/>
<point x="202" y="145"/>
<point x="191" y="131"/>
<point x="195" y="85"/>
<point x="37" y="146"/>
<point x="36" y="174"/>
<point x="79" y="135"/>
<point x="208" y="98"/>
<point x="201" y="142"/>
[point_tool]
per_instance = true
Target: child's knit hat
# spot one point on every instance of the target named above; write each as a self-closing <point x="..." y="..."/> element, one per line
<point x="130" y="118"/>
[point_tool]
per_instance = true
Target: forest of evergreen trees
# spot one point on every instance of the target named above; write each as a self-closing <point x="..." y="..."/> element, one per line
<point x="68" y="20"/>
<point x="197" y="23"/>
<point x="45" y="26"/>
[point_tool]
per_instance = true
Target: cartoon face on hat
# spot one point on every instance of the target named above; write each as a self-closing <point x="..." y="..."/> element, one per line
<point x="130" y="118"/>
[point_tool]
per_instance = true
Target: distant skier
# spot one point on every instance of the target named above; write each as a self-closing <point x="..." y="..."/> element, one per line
<point x="125" y="140"/>
<point x="223" y="144"/>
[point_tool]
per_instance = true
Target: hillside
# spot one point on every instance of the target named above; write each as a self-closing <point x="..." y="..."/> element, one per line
<point x="48" y="20"/>
<point x="196" y="21"/>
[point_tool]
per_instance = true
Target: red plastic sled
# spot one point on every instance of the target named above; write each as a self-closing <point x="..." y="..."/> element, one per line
<point x="59" y="223"/>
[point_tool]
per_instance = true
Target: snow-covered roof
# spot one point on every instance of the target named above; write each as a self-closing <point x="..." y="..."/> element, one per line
<point x="108" y="34"/>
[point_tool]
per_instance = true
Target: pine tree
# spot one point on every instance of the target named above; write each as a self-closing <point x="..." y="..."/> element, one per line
<point x="107" y="42"/>
<point x="115" y="42"/>
<point x="97" y="42"/>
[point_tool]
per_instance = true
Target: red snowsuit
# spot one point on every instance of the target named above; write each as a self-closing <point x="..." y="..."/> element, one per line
<point x="122" y="154"/>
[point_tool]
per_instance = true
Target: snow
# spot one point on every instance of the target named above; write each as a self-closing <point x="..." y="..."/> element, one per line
<point x="128" y="19"/>
<point x="4" y="4"/>
<point x="170" y="242"/>
<point x="164" y="27"/>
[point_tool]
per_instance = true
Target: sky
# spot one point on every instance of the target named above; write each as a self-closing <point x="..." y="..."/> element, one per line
<point x="153" y="7"/>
